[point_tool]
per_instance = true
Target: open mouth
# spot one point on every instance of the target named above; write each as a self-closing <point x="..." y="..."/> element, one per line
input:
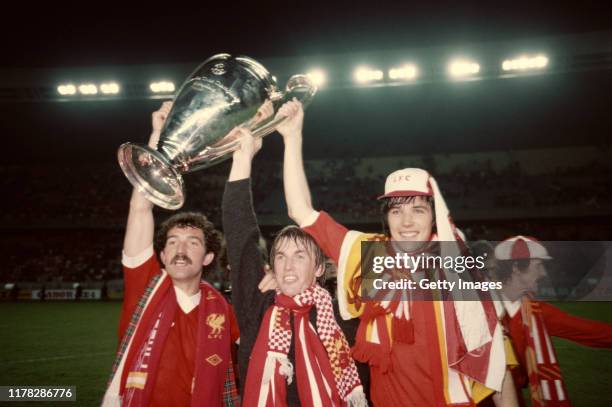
<point x="408" y="235"/>
<point x="181" y="261"/>
<point x="289" y="279"/>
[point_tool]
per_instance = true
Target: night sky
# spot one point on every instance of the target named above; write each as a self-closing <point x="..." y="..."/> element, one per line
<point x="57" y="34"/>
<point x="543" y="111"/>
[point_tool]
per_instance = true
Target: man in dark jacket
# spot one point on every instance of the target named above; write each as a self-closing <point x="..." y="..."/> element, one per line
<point x="291" y="326"/>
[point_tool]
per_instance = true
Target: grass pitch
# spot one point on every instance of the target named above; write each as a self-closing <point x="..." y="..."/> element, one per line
<point x="73" y="344"/>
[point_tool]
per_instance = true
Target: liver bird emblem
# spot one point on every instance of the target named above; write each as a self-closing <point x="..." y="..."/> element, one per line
<point x="215" y="322"/>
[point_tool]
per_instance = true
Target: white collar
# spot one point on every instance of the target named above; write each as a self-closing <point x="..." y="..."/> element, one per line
<point x="185" y="301"/>
<point x="512" y="307"/>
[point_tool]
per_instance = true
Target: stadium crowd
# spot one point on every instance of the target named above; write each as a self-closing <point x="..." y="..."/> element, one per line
<point x="76" y="219"/>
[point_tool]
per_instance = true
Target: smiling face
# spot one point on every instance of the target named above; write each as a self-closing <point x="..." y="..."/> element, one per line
<point x="410" y="223"/>
<point x="295" y="267"/>
<point x="185" y="253"/>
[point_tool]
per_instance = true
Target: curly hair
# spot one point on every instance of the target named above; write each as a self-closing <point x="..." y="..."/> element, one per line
<point x="212" y="237"/>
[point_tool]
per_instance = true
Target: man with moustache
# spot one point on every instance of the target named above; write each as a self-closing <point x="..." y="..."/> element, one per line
<point x="176" y="330"/>
<point x="520" y="263"/>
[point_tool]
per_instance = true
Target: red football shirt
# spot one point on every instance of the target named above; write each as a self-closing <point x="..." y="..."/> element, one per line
<point x="416" y="375"/>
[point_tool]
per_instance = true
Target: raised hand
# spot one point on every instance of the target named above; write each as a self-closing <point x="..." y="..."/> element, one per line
<point x="158" y="119"/>
<point x="292" y="125"/>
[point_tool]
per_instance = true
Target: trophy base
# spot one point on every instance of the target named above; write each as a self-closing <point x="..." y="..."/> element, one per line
<point x="149" y="172"/>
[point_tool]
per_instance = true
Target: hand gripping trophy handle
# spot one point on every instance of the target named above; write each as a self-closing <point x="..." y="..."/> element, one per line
<point x="299" y="86"/>
<point x="304" y="90"/>
<point x="223" y="93"/>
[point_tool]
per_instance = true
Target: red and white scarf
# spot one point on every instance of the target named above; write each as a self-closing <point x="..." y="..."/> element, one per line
<point x="326" y="373"/>
<point x="545" y="380"/>
<point x="469" y="335"/>
<point x="136" y="374"/>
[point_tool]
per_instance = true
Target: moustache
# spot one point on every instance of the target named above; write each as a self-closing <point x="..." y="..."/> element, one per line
<point x="180" y="257"/>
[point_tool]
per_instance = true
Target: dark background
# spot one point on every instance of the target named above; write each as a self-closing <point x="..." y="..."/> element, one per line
<point x="59" y="170"/>
<point x="430" y="117"/>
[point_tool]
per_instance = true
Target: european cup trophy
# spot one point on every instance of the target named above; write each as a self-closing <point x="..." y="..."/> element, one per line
<point x="224" y="92"/>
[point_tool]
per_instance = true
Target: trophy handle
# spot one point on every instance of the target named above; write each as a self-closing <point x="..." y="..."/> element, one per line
<point x="299" y="86"/>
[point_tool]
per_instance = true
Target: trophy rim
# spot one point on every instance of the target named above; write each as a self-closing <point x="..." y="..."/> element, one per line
<point x="259" y="70"/>
<point x="126" y="162"/>
<point x="247" y="62"/>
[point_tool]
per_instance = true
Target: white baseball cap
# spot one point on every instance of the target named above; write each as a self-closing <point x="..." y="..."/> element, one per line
<point x="521" y="247"/>
<point x="418" y="182"/>
<point x="407" y="182"/>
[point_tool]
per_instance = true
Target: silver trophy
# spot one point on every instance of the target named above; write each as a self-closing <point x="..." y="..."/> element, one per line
<point x="223" y="93"/>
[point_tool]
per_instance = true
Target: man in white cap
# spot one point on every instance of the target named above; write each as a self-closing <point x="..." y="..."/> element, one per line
<point x="521" y="263"/>
<point x="421" y="353"/>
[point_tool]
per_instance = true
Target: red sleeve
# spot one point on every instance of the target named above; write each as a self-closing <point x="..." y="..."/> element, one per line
<point x="329" y="235"/>
<point x="580" y="330"/>
<point x="135" y="282"/>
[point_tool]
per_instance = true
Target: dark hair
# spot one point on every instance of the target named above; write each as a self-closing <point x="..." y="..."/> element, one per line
<point x="300" y="238"/>
<point x="504" y="268"/>
<point x="389" y="203"/>
<point x="196" y="220"/>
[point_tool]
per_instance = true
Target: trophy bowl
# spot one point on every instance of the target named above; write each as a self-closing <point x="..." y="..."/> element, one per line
<point x="223" y="93"/>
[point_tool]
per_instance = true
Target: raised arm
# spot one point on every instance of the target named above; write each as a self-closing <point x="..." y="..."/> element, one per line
<point x="242" y="237"/>
<point x="140" y="224"/>
<point x="297" y="193"/>
<point x="241" y="229"/>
